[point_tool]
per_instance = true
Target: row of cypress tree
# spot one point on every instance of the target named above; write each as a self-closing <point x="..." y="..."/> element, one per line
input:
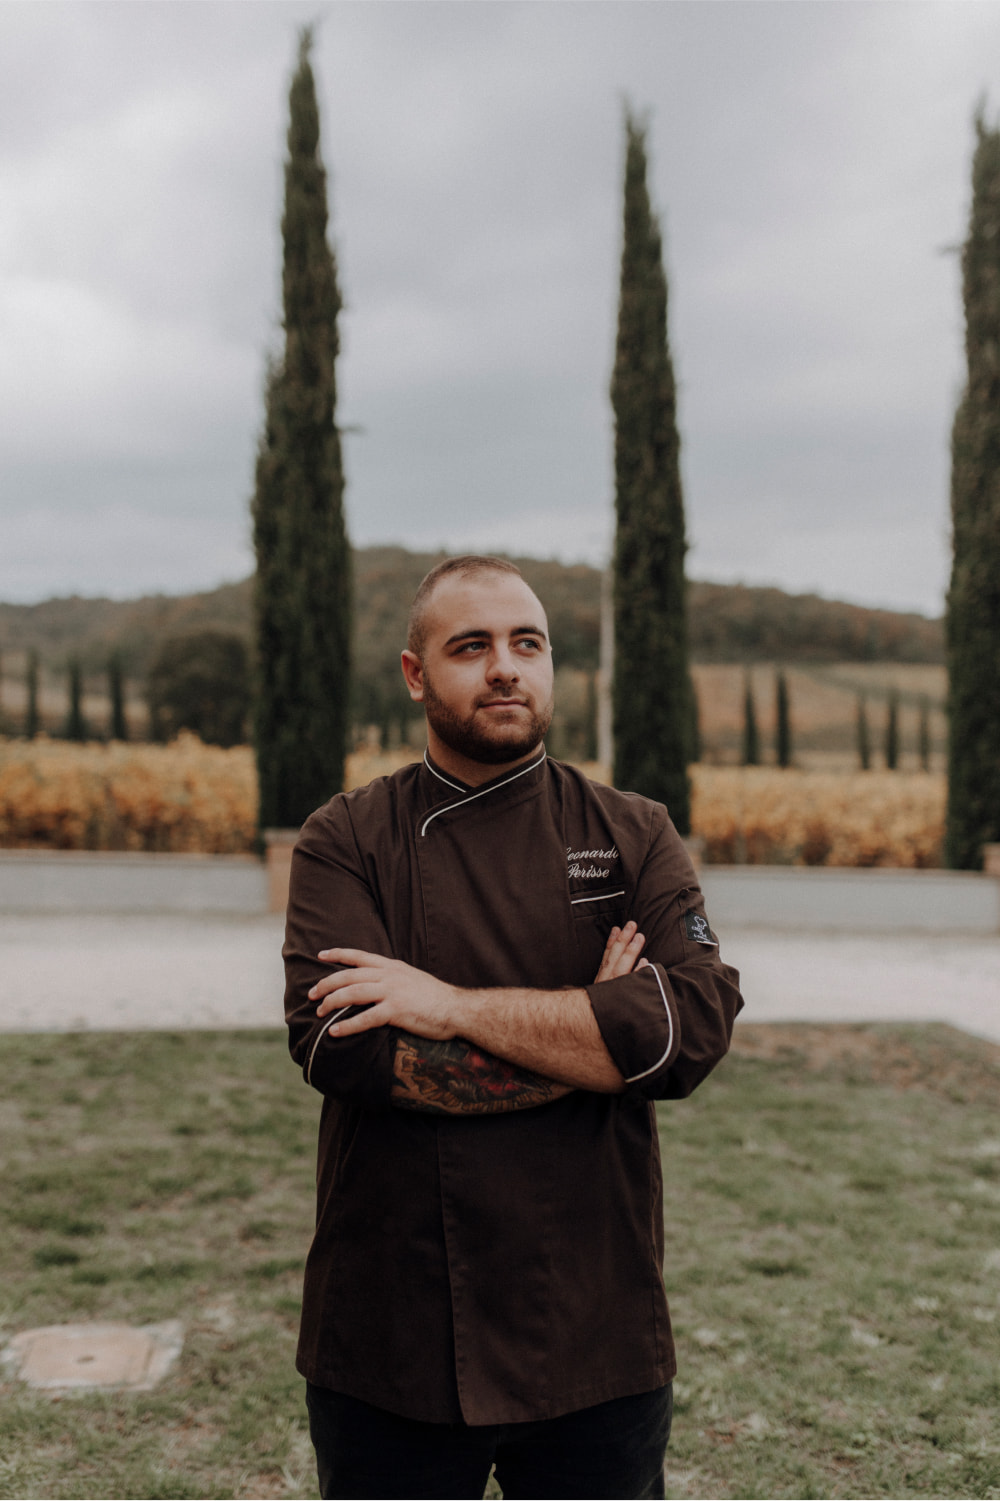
<point x="751" y="747"/>
<point x="302" y="591"/>
<point x="302" y="598"/>
<point x="75" y="726"/>
<point x="783" y="723"/>
<point x="653" y="696"/>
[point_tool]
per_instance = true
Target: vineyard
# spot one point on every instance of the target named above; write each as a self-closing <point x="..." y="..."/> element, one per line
<point x="192" y="798"/>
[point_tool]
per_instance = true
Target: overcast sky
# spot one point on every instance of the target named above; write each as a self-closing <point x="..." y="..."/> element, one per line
<point x="810" y="163"/>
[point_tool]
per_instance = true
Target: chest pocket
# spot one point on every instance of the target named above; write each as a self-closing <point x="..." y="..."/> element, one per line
<point x="595" y="913"/>
<point x="598" y="905"/>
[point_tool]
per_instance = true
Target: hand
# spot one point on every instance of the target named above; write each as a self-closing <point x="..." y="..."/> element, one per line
<point x="621" y="953"/>
<point x="395" y="993"/>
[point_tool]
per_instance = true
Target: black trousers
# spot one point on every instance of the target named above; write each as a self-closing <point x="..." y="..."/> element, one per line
<point x="615" y="1449"/>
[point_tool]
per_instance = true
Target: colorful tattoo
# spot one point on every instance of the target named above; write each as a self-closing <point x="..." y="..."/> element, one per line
<point x="455" y="1078"/>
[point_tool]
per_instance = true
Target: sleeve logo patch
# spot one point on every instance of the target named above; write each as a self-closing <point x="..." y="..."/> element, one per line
<point x="696" y="927"/>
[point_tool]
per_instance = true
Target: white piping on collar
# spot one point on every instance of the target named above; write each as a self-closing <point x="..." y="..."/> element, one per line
<point x="457" y="785"/>
<point x="473" y="795"/>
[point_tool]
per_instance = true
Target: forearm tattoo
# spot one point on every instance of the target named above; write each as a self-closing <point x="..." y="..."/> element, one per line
<point x="455" y="1078"/>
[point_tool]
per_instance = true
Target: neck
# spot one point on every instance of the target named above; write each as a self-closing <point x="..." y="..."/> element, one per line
<point x="474" y="773"/>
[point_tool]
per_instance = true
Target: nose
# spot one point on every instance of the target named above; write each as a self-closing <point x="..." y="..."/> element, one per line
<point x="503" y="666"/>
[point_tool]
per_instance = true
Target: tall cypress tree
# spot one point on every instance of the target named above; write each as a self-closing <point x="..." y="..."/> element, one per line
<point x="32" y="722"/>
<point x="972" y="630"/>
<point x="302" y="595"/>
<point x="864" y="737"/>
<point x="116" y="694"/>
<point x="892" y="731"/>
<point x="783" y="720"/>
<point x="751" y="738"/>
<point x="652" y="692"/>
<point x="76" y="725"/>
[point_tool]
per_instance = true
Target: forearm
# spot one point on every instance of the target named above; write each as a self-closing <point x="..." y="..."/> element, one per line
<point x="552" y="1032"/>
<point x="453" y="1077"/>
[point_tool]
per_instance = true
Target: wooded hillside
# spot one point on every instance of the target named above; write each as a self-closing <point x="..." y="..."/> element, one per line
<point x="728" y="622"/>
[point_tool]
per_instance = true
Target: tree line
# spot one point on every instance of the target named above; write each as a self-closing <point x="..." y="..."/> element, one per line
<point x="726" y="622"/>
<point x="751" y="748"/>
<point x="115" y="649"/>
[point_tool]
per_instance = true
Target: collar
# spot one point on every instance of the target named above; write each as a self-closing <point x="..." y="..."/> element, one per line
<point x="521" y="778"/>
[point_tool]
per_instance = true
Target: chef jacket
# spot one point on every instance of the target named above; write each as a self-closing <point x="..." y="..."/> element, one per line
<point x="506" y="1267"/>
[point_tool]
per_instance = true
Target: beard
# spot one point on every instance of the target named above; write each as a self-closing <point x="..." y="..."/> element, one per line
<point x="482" y="741"/>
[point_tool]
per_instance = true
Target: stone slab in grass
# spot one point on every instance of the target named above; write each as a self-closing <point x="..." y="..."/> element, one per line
<point x="85" y="1357"/>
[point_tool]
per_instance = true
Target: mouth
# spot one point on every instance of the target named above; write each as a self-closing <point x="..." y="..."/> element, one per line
<point x="503" y="703"/>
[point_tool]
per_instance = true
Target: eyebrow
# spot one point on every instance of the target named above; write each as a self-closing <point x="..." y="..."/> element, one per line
<point x="482" y="635"/>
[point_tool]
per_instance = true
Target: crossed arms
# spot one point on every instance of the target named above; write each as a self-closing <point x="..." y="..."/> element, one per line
<point x="477" y="1052"/>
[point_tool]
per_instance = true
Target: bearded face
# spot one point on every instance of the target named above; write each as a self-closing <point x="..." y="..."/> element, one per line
<point x="487" y="731"/>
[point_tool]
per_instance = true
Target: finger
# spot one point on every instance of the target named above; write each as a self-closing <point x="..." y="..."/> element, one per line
<point x="351" y="956"/>
<point x="326" y="985"/>
<point x="618" y="940"/>
<point x="355" y="995"/>
<point x="344" y="977"/>
<point x="643" y="964"/>
<point x="364" y="1021"/>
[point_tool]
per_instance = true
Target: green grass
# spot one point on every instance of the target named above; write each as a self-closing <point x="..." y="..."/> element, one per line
<point x="153" y="1177"/>
<point x="833" y="1262"/>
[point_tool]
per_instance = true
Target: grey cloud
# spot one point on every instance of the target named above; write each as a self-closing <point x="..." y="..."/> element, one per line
<point x="809" y="161"/>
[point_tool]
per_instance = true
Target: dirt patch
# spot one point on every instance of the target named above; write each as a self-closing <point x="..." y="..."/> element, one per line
<point x="937" y="1059"/>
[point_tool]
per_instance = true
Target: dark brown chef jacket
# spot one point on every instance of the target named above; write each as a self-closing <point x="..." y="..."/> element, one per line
<point x="508" y="1267"/>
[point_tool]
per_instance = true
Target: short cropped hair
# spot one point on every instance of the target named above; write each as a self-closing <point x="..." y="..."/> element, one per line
<point x="466" y="564"/>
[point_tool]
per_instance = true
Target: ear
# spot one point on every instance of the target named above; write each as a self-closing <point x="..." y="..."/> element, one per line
<point x="413" y="672"/>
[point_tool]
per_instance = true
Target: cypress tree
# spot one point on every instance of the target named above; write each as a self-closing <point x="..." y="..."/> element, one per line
<point x="924" y="734"/>
<point x="302" y="594"/>
<point x="972" y="625"/>
<point x="76" y="727"/>
<point x="652" y="693"/>
<point x="751" y="739"/>
<point x="31" y="718"/>
<point x="783" y="735"/>
<point x="116" y="693"/>
<point x="892" y="731"/>
<point x="864" y="738"/>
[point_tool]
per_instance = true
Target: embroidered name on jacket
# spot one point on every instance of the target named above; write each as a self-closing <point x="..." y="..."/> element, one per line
<point x="582" y="867"/>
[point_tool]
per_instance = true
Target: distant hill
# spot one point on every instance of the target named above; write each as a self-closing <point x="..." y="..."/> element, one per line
<point x="736" y="623"/>
<point x="729" y="622"/>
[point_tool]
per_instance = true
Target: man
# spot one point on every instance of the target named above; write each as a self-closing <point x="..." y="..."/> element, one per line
<point x="494" y="967"/>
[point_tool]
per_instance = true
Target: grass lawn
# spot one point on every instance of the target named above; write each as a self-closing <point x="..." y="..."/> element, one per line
<point x="833" y="1262"/>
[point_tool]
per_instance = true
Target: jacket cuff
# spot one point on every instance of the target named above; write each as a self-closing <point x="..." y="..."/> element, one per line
<point x="358" y="1068"/>
<point x="639" y="1022"/>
